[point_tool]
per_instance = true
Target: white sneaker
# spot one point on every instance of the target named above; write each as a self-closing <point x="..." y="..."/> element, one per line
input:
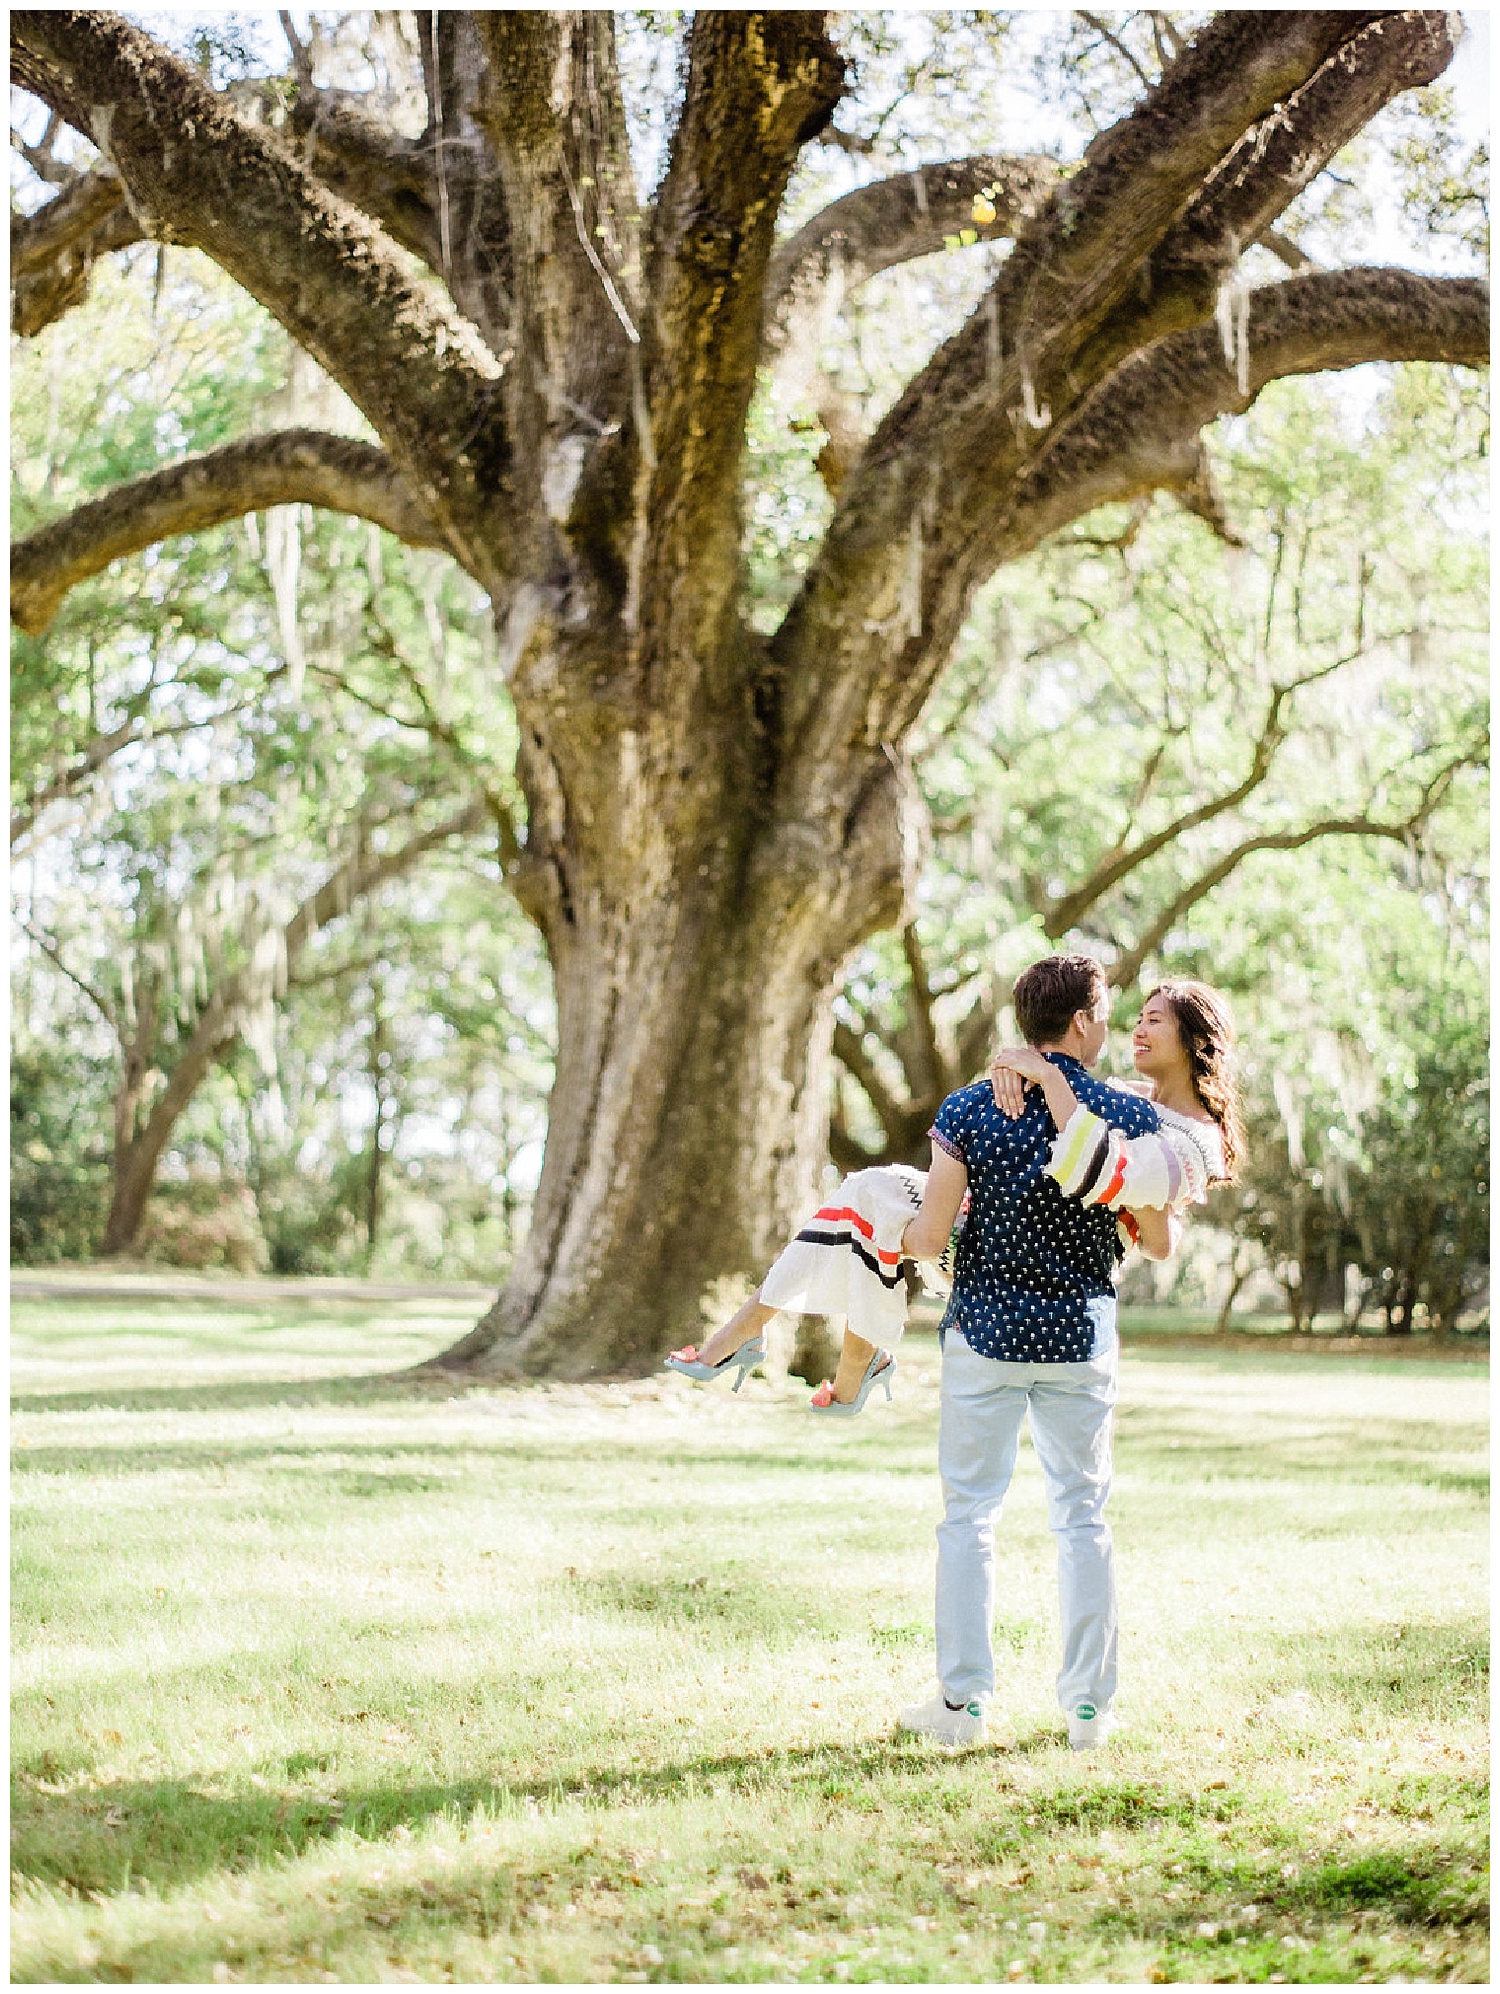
<point x="1088" y="1726"/>
<point x="964" y="1726"/>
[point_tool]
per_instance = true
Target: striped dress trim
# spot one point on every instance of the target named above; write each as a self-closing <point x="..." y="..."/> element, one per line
<point x="1077" y="1152"/>
<point x="1099" y="1165"/>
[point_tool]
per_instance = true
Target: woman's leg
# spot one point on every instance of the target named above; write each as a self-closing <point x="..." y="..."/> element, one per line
<point x="751" y="1317"/>
<point x="747" y="1322"/>
<point x="854" y="1361"/>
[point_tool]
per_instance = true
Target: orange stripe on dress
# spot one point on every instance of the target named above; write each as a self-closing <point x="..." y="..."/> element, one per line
<point x="1116" y="1180"/>
<point x="861" y="1224"/>
<point x="846" y="1212"/>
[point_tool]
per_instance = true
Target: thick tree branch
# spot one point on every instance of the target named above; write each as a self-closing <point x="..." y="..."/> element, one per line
<point x="291" y="467"/>
<point x="387" y="176"/>
<point x="53" y="250"/>
<point x="889" y="222"/>
<point x="196" y="172"/>
<point x="759" y="86"/>
<point x="555" y="116"/>
<point x="922" y="519"/>
<point x="844" y="1152"/>
<point x="1263" y="175"/>
<point x="976" y="1030"/>
<point x="1139" y="432"/>
<point x="432" y="194"/>
<point x="849" y="1049"/>
<point x="472" y="226"/>
<point x="921" y="1054"/>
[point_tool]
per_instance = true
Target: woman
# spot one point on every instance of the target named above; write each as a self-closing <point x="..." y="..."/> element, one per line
<point x="1183" y="1045"/>
<point x="845" y="1261"/>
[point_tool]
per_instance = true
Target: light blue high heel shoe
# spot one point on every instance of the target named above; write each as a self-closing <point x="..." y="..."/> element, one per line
<point x="881" y="1370"/>
<point x="744" y="1360"/>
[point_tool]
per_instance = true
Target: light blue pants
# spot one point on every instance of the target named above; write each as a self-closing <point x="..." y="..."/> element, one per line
<point x="1070" y="1407"/>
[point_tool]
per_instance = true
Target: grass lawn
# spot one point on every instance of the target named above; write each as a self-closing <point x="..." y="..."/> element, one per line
<point x="322" y="1679"/>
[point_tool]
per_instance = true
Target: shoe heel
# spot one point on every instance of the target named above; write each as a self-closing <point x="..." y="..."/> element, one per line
<point x="746" y="1358"/>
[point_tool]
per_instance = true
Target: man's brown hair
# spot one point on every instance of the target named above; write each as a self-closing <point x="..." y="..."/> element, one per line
<point x="1047" y="995"/>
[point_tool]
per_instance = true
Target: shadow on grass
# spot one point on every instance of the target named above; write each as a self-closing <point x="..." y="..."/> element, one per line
<point x="495" y="1897"/>
<point x="1418" y="1672"/>
<point x="1350" y="1448"/>
<point x="171" y="1833"/>
<point x="373" y="1389"/>
<point x="336" y="1477"/>
<point x="167" y="1832"/>
<point x="135" y="1457"/>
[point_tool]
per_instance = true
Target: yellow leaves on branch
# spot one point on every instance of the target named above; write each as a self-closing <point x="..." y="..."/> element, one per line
<point x="982" y="212"/>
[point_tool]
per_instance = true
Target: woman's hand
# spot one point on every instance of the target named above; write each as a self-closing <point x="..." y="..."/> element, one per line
<point x="1013" y="1068"/>
<point x="1159" y="1232"/>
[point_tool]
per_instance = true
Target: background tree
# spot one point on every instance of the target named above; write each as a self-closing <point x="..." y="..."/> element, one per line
<point x="238" y="750"/>
<point x="465" y="1006"/>
<point x="1367" y="1191"/>
<point x="715" y="816"/>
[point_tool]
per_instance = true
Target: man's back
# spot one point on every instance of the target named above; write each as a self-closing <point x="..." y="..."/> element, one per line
<point x="1034" y="1278"/>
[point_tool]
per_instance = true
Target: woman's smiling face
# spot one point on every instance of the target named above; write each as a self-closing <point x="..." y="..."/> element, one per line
<point x="1158" y="1046"/>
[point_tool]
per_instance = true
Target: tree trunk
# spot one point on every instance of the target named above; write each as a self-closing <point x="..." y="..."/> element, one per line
<point x="689" y="1114"/>
<point x="684" y="1131"/>
<point x="1398" y="1316"/>
<point x="132" y="1181"/>
<point x="1239" y="1273"/>
<point x="138" y="1148"/>
<point x="382" y="1134"/>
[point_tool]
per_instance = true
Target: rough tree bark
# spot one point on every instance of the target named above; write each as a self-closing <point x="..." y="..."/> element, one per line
<point x="714" y="820"/>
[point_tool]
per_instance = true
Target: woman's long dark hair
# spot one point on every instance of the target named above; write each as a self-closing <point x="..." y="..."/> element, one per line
<point x="1206" y="1027"/>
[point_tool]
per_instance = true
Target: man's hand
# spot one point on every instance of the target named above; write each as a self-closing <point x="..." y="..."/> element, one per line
<point x="1012" y="1070"/>
<point x="928" y="1233"/>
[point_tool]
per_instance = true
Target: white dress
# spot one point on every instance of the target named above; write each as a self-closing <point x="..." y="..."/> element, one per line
<point x="846" y="1260"/>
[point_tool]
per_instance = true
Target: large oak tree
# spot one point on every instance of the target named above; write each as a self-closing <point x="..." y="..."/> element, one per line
<point x="560" y="377"/>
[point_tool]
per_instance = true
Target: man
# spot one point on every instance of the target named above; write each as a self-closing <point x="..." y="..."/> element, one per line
<point x="1030" y="1330"/>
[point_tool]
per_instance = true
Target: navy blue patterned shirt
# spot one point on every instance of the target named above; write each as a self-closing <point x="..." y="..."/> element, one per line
<point x="1034" y="1278"/>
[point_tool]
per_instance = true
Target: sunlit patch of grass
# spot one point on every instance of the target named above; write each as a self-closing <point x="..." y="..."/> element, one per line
<point x="315" y="1679"/>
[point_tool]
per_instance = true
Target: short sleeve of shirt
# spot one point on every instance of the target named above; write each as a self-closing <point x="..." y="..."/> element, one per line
<point x="950" y="1128"/>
